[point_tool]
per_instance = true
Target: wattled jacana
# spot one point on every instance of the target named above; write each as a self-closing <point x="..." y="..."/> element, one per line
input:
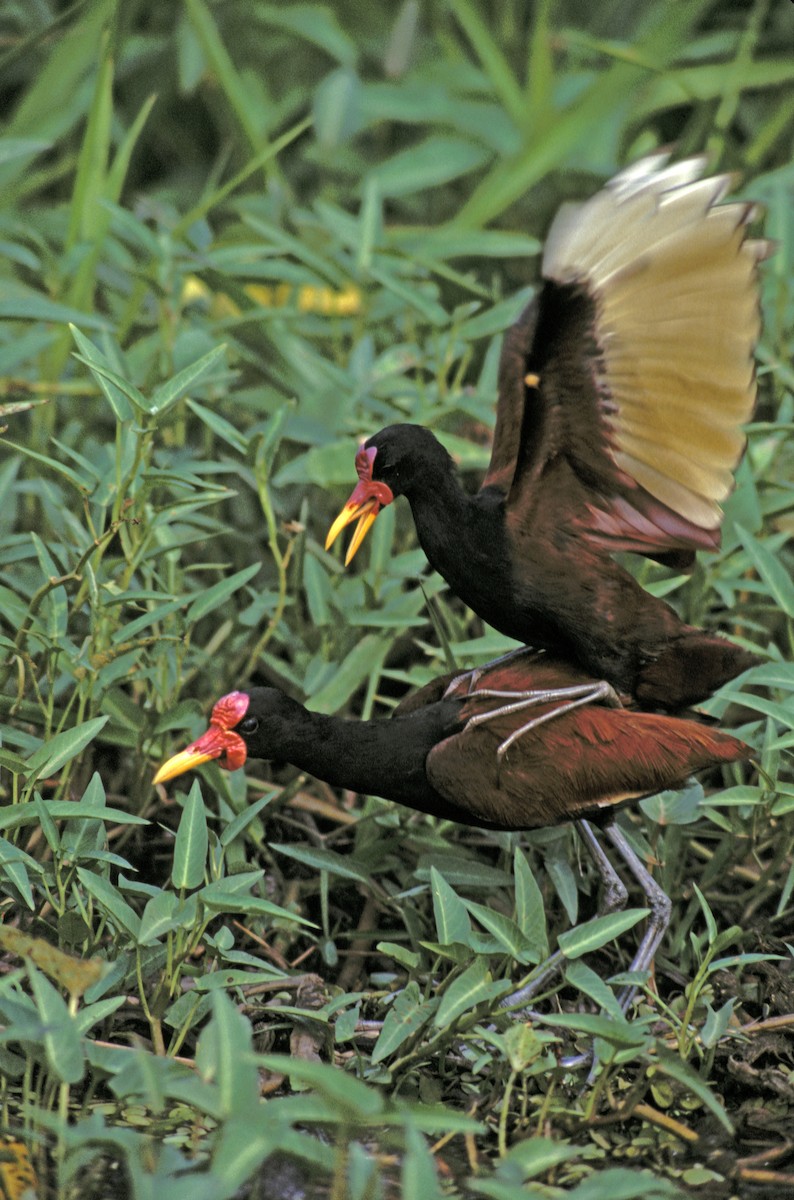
<point x="578" y="755"/>
<point x="622" y="391"/>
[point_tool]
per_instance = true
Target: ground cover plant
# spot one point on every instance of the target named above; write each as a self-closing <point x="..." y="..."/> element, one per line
<point x="235" y="237"/>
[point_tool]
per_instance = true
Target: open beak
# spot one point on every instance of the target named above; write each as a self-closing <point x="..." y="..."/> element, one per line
<point x="219" y="741"/>
<point x="366" y="501"/>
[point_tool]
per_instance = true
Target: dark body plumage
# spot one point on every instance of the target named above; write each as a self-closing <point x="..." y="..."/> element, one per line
<point x="622" y="392"/>
<point x="532" y="575"/>
<point x="581" y="763"/>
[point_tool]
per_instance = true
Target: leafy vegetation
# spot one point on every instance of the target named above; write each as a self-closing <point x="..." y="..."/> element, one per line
<point x="236" y="236"/>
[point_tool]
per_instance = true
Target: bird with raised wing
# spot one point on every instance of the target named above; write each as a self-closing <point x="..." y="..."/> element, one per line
<point x="623" y="388"/>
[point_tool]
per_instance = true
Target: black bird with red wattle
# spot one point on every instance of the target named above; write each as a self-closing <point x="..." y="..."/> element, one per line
<point x="525" y="742"/>
<point x="623" y="389"/>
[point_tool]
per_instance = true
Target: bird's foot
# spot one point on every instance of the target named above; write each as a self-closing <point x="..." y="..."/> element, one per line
<point x="474" y="676"/>
<point x="566" y="699"/>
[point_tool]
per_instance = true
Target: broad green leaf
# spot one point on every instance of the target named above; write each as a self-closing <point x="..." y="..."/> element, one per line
<point x="324" y="860"/>
<point x="406" y="1016"/>
<point x="436" y="160"/>
<point x="161" y="915"/>
<point x="192" y="841"/>
<point x="613" y="1031"/>
<point x="419" y="1176"/>
<point x="163" y="397"/>
<point x="475" y="986"/>
<point x="220" y="426"/>
<point x="111" y="902"/>
<point x="771" y="570"/>
<point x="596" y="933"/>
<point x="225" y="1056"/>
<point x="29" y="306"/>
<point x="65" y="746"/>
<point x="452" y="919"/>
<point x="530" y="910"/>
<point x="682" y="1073"/>
<point x="353" y="1099"/>
<point x="14" y="865"/>
<point x="505" y="931"/>
<point x="244" y="819"/>
<point x="587" y="981"/>
<point x="11" y="148"/>
<point x="362" y="663"/>
<point x="219" y="900"/>
<point x="61" y="1038"/>
<point x="212" y="597"/>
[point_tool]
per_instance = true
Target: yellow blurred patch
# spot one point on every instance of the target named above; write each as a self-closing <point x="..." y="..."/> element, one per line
<point x="17" y="1178"/>
<point x="307" y="298"/>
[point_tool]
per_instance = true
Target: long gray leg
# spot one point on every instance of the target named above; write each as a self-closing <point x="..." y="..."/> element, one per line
<point x="476" y="673"/>
<point x="613" y="898"/>
<point x="572" y="697"/>
<point x="658" y="901"/>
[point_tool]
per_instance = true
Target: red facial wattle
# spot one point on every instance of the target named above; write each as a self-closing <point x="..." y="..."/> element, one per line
<point x="364" y="504"/>
<point x="219" y="741"/>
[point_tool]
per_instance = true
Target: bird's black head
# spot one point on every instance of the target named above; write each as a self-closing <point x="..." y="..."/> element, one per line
<point x="395" y="462"/>
<point x="242" y="725"/>
<point x="406" y="457"/>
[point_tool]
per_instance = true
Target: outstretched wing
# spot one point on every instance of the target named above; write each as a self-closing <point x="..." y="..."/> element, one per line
<point x="635" y="367"/>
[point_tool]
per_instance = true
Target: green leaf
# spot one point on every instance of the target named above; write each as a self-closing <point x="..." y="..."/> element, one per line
<point x="100" y="370"/>
<point x="61" y="1037"/>
<point x="111" y="902"/>
<point x="324" y="860"/>
<point x="452" y="919"/>
<point x="15" y="865"/>
<point x="32" y="307"/>
<point x="406" y="1016"/>
<point x="350" y="1097"/>
<point x="419" y="1177"/>
<point x="537" y="1155"/>
<point x="166" y="395"/>
<point x="212" y="597"/>
<point x="161" y="914"/>
<point x="192" y="842"/>
<point x="587" y="981"/>
<point x="90" y="354"/>
<point x="682" y="1073"/>
<point x="596" y="933"/>
<point x="530" y="910"/>
<point x="364" y="662"/>
<point x="244" y="819"/>
<point x="771" y="571"/>
<point x="475" y="986"/>
<point x="438" y="159"/>
<point x="65" y="746"/>
<point x="221" y="896"/>
<point x="225" y="1056"/>
<point x="618" y="1033"/>
<point x="220" y="426"/>
<point x="505" y="931"/>
<point x="11" y="148"/>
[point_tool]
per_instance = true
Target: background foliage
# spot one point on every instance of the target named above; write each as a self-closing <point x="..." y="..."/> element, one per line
<point x="235" y="237"/>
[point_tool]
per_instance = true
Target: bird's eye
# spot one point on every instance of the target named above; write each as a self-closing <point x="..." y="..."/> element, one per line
<point x="249" y="725"/>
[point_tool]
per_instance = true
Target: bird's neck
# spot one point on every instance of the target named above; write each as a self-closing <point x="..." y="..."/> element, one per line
<point x="379" y="758"/>
<point x="464" y="538"/>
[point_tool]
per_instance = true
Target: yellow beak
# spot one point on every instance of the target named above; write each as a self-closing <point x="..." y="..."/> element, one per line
<point x="366" y="512"/>
<point x="179" y="763"/>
